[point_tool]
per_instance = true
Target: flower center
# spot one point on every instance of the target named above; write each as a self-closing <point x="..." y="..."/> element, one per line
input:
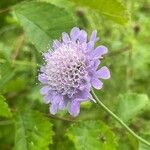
<point x="66" y="70"/>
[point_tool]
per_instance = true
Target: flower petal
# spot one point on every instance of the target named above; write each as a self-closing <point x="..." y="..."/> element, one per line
<point x="82" y="36"/>
<point x="47" y="98"/>
<point x="65" y="37"/>
<point x="56" y="98"/>
<point x="85" y="85"/>
<point x="56" y="44"/>
<point x="74" y="108"/>
<point x="103" y="73"/>
<point x="96" y="83"/>
<point x="53" y="109"/>
<point x="90" y="45"/>
<point x="42" y="78"/>
<point x="93" y="36"/>
<point x="47" y="56"/>
<point x="44" y="90"/>
<point x="63" y="103"/>
<point x="82" y="94"/>
<point x="83" y="46"/>
<point x="99" y="51"/>
<point x="96" y="63"/>
<point x="74" y="33"/>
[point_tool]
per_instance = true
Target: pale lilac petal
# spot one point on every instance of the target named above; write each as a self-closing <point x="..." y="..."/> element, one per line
<point x="96" y="83"/>
<point x="85" y="85"/>
<point x="103" y="73"/>
<point x="56" y="44"/>
<point x="93" y="36"/>
<point x="90" y="45"/>
<point x="47" y="98"/>
<point x="96" y="63"/>
<point x="83" y="46"/>
<point x="42" y="78"/>
<point x="56" y="98"/>
<point x="74" y="33"/>
<point x="53" y="109"/>
<point x="82" y="36"/>
<point x="44" y="90"/>
<point x="82" y="94"/>
<point x="74" y="108"/>
<point x="99" y="51"/>
<point x="47" y="56"/>
<point x="65" y="37"/>
<point x="62" y="104"/>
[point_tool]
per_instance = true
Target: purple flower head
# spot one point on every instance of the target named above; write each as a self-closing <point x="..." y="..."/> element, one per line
<point x="70" y="70"/>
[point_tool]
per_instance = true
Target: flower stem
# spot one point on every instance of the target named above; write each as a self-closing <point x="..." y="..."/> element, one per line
<point x="119" y="120"/>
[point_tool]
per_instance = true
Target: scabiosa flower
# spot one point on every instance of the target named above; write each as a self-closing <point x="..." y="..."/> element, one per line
<point x="70" y="71"/>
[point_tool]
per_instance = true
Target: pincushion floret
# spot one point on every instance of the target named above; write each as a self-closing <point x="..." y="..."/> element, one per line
<point x="71" y="70"/>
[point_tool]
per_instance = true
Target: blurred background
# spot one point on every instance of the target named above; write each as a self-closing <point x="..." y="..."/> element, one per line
<point x="27" y="28"/>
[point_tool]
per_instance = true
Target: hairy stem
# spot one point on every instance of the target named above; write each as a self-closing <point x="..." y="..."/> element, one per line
<point x="119" y="120"/>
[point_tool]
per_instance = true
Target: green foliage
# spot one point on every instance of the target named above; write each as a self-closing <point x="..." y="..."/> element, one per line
<point x="43" y="22"/>
<point x="33" y="131"/>
<point x="131" y="104"/>
<point x="40" y="22"/>
<point x="112" y="9"/>
<point x="4" y="108"/>
<point x="6" y="75"/>
<point x="92" y="134"/>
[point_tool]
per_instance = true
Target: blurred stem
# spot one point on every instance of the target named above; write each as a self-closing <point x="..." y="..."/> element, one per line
<point x="119" y="120"/>
<point x="18" y="47"/>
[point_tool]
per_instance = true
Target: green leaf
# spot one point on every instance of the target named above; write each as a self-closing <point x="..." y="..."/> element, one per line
<point x="60" y="3"/>
<point x="112" y="9"/>
<point x="91" y="135"/>
<point x="4" y="109"/>
<point x="130" y="104"/>
<point x="143" y="146"/>
<point x="145" y="133"/>
<point x="43" y="22"/>
<point x="7" y="72"/>
<point x="33" y="131"/>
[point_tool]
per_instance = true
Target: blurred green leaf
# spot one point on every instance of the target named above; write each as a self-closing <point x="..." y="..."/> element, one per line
<point x="145" y="133"/>
<point x="4" y="108"/>
<point x="91" y="135"/>
<point x="130" y="104"/>
<point x="33" y="131"/>
<point x="60" y="3"/>
<point x="43" y="22"/>
<point x="19" y="85"/>
<point x="143" y="146"/>
<point x="112" y="9"/>
<point x="7" y="72"/>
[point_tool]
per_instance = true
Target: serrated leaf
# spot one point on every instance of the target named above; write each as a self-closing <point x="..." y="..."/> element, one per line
<point x="43" y="22"/>
<point x="91" y="135"/>
<point x="33" y="131"/>
<point x="4" y="109"/>
<point x="130" y="104"/>
<point x="112" y="9"/>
